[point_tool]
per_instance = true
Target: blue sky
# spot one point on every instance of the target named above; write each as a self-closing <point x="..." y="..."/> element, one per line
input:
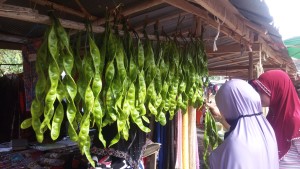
<point x="286" y="15"/>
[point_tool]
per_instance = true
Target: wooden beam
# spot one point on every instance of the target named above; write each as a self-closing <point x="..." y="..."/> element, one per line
<point x="152" y="21"/>
<point x="10" y="45"/>
<point x="250" y="66"/>
<point x="240" y="25"/>
<point x="86" y="13"/>
<point x="132" y="10"/>
<point x="231" y="75"/>
<point x="221" y="56"/>
<point x="188" y="7"/>
<point x="13" y="38"/>
<point x="62" y="8"/>
<point x="233" y="61"/>
<point x="234" y="48"/>
<point x="29" y="15"/>
<point x="226" y="15"/>
<point x="229" y="68"/>
<point x="226" y="68"/>
<point x="198" y="26"/>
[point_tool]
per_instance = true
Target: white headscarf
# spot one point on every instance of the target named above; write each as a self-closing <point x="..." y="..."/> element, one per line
<point x="252" y="143"/>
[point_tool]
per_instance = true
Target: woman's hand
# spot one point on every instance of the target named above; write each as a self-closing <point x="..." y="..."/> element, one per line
<point x="215" y="111"/>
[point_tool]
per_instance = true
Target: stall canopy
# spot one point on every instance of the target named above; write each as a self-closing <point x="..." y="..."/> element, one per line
<point x="230" y="29"/>
<point x="293" y="47"/>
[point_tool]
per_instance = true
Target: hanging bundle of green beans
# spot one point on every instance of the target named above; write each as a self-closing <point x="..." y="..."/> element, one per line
<point x="211" y="137"/>
<point x="127" y="80"/>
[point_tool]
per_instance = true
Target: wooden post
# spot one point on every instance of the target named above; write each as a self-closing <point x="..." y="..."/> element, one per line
<point x="250" y="71"/>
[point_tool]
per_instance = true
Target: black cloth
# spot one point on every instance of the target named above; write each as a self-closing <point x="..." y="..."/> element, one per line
<point x="130" y="150"/>
<point x="234" y="122"/>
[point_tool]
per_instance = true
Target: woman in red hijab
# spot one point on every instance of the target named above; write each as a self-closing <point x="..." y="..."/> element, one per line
<point x="279" y="94"/>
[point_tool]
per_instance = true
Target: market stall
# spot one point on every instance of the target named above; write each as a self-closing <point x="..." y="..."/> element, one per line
<point x="133" y="70"/>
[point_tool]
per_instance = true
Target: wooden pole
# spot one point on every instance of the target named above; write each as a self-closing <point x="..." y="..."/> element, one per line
<point x="88" y="15"/>
<point x="250" y="70"/>
<point x="134" y="9"/>
<point x="62" y="8"/>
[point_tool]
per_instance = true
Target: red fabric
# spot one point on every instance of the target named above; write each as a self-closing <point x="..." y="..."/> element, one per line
<point x="284" y="109"/>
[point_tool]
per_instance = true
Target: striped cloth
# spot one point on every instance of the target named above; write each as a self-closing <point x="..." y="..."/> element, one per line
<point x="292" y="158"/>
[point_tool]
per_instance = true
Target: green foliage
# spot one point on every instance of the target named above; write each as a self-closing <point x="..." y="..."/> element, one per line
<point x="10" y="62"/>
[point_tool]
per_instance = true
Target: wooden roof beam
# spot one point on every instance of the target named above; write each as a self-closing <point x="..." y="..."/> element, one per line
<point x="132" y="10"/>
<point x="229" y="62"/>
<point x="188" y="7"/>
<point x="226" y="68"/>
<point x="234" y="48"/>
<point x="11" y="45"/>
<point x="62" y="8"/>
<point x="86" y="13"/>
<point x="152" y="21"/>
<point x="29" y="15"/>
<point x="12" y="38"/>
<point x="242" y="26"/>
<point x="228" y="16"/>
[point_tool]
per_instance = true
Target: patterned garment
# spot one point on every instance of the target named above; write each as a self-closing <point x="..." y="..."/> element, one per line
<point x="292" y="158"/>
<point x="112" y="162"/>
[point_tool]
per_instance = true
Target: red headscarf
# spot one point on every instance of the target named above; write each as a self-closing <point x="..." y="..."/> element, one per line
<point x="284" y="109"/>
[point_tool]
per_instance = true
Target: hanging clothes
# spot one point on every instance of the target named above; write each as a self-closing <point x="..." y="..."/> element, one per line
<point x="178" y="164"/>
<point x="185" y="140"/>
<point x="192" y="137"/>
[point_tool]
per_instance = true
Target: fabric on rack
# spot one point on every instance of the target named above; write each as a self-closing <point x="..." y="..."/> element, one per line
<point x="170" y="143"/>
<point x="166" y="138"/>
<point x="29" y="73"/>
<point x="192" y="146"/>
<point x="185" y="140"/>
<point x="161" y="138"/>
<point x="197" y="151"/>
<point x="178" y="164"/>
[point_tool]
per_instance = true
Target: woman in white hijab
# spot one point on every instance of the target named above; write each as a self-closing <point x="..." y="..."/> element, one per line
<point x="250" y="142"/>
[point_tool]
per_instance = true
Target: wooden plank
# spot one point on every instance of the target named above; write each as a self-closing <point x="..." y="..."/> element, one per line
<point x="250" y="66"/>
<point x="10" y="45"/>
<point x="226" y="15"/>
<point x="62" y="8"/>
<point x="86" y="13"/>
<point x="132" y="10"/>
<point x="232" y="61"/>
<point x="198" y="26"/>
<point x="240" y="25"/>
<point x="28" y="15"/>
<point x="152" y="21"/>
<point x="188" y="7"/>
<point x="237" y="68"/>
<point x="233" y="48"/>
<point x="13" y="38"/>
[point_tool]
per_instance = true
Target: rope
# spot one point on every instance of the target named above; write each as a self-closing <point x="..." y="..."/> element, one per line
<point x="217" y="36"/>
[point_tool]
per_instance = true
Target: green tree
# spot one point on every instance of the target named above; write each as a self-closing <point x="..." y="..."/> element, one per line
<point x="10" y="62"/>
